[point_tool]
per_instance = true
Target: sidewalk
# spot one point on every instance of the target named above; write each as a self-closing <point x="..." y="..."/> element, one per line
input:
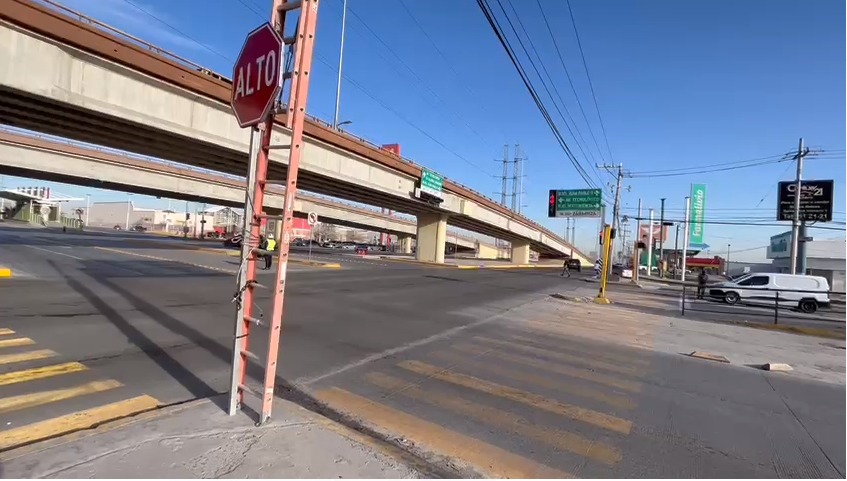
<point x="810" y="357"/>
<point x="199" y="440"/>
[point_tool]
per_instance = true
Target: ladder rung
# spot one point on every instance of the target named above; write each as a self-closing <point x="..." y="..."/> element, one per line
<point x="249" y="390"/>
<point x="289" y="6"/>
<point x="249" y="355"/>
<point x="254" y="320"/>
<point x="279" y="146"/>
<point x="269" y="216"/>
<point x="289" y="40"/>
<point x="274" y="181"/>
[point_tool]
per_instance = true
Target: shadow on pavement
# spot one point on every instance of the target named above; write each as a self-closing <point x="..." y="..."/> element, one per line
<point x="157" y="354"/>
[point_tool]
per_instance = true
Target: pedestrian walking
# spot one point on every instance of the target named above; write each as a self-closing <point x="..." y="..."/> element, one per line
<point x="566" y="269"/>
<point x="701" y="283"/>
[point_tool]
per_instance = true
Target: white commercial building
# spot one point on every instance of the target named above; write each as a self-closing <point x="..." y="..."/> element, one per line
<point x="824" y="258"/>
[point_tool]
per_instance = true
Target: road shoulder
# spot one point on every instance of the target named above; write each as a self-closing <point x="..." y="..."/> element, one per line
<point x="199" y="440"/>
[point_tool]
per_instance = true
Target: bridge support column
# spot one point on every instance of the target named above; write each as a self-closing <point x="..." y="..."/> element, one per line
<point x="432" y="234"/>
<point x="406" y="245"/>
<point x="520" y="252"/>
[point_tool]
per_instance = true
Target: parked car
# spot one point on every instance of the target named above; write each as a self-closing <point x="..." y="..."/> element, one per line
<point x="807" y="293"/>
<point x="234" y="241"/>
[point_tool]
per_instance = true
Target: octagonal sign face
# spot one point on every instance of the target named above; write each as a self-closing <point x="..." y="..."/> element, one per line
<point x="255" y="76"/>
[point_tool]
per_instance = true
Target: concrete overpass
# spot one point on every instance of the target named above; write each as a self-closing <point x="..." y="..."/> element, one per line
<point x="83" y="80"/>
<point x="46" y="159"/>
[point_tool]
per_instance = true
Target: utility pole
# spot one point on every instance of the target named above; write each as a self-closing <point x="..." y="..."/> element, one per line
<point x="650" y="245"/>
<point x="798" y="258"/>
<point x="504" y="185"/>
<point x="728" y="246"/>
<point x="515" y="177"/>
<point x="662" y="239"/>
<point x="616" y="207"/>
<point x="676" y="251"/>
<point x="685" y="238"/>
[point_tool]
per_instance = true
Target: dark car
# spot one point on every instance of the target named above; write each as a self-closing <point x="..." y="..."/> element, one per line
<point x="361" y="249"/>
<point x="234" y="241"/>
<point x="139" y="228"/>
<point x="574" y="265"/>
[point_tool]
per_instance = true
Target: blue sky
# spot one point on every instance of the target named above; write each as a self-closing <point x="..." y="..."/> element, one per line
<point x="678" y="84"/>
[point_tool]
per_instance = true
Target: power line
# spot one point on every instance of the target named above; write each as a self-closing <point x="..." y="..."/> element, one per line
<point x="389" y="108"/>
<point x="720" y="164"/>
<point x="421" y="82"/>
<point x="504" y="42"/>
<point x="590" y="83"/>
<point x="718" y="222"/>
<point x="570" y="81"/>
<point x="180" y="32"/>
<point x="465" y="85"/>
<point x="590" y="157"/>
<point x="707" y="171"/>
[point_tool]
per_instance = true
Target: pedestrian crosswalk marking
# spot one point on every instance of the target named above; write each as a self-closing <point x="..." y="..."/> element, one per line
<point x="579" y="373"/>
<point x="561" y="356"/>
<point x="40" y="373"/>
<point x="23" y="401"/>
<point x="552" y="339"/>
<point x="16" y="342"/>
<point x="537" y="380"/>
<point x="491" y="461"/>
<point x="602" y="420"/>
<point x="26" y="356"/>
<point x="6" y="332"/>
<point x="75" y="421"/>
<point x="556" y="438"/>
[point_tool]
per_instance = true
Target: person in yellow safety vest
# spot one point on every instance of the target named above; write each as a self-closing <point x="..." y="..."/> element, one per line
<point x="271" y="246"/>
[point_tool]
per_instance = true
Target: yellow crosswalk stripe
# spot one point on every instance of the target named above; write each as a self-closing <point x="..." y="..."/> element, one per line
<point x="40" y="373"/>
<point x="16" y="342"/>
<point x="6" y="332"/>
<point x="561" y="440"/>
<point x="24" y="401"/>
<point x="579" y="373"/>
<point x="75" y="421"/>
<point x="602" y="420"/>
<point x="26" y="356"/>
<point x="489" y="460"/>
<point x="567" y="343"/>
<point x="561" y="356"/>
<point x="546" y="382"/>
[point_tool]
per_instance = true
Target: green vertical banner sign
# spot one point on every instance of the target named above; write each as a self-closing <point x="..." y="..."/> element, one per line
<point x="698" y="212"/>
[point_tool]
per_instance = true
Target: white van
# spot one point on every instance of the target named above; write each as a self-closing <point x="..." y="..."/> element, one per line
<point x="807" y="293"/>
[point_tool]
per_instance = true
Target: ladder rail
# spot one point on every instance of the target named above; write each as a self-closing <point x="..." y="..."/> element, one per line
<point x="255" y="219"/>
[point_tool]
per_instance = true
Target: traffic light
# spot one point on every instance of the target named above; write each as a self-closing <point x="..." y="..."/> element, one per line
<point x="551" y="206"/>
<point x="187" y="216"/>
<point x="601" y="236"/>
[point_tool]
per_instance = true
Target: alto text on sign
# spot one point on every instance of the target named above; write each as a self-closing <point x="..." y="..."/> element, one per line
<point x="255" y="84"/>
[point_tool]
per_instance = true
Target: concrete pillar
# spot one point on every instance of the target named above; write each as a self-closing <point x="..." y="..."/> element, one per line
<point x="406" y="245"/>
<point x="520" y="252"/>
<point x="432" y="234"/>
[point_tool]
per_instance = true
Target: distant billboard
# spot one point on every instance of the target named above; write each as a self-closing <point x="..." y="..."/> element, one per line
<point x="780" y="246"/>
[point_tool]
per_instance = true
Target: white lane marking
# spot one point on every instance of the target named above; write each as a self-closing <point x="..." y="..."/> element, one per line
<point x="305" y="381"/>
<point x="54" y="252"/>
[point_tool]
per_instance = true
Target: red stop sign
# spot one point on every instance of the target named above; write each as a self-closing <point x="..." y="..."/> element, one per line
<point x="255" y="76"/>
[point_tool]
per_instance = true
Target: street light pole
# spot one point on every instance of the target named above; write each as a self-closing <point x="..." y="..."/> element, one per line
<point x="128" y="207"/>
<point x="87" y="208"/>
<point x="340" y="63"/>
<point x="685" y="234"/>
<point x="662" y="239"/>
<point x="727" y="259"/>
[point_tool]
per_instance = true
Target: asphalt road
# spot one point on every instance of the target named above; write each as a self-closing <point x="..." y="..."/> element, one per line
<point x="441" y="361"/>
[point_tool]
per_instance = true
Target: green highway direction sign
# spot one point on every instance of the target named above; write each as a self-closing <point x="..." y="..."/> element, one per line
<point x="431" y="183"/>
<point x="575" y="203"/>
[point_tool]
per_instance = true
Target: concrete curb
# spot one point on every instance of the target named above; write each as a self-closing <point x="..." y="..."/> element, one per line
<point x="470" y="266"/>
<point x="5" y="272"/>
<point x="777" y="366"/>
<point x="708" y="356"/>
